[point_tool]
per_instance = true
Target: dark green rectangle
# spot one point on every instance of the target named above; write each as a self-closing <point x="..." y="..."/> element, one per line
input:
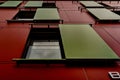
<point x="103" y="14"/>
<point x="90" y="4"/>
<point x="47" y="14"/>
<point x="34" y="4"/>
<point x="10" y="4"/>
<point x="82" y="42"/>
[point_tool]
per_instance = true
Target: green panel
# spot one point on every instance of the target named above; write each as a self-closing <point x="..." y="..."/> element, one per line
<point x="104" y="14"/>
<point x="34" y="4"/>
<point x="82" y="42"/>
<point x="10" y="4"/>
<point x="90" y="4"/>
<point x="46" y="14"/>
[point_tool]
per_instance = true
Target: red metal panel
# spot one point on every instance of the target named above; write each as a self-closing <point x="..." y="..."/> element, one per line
<point x="108" y="38"/>
<point x="38" y="72"/>
<point x="12" y="42"/>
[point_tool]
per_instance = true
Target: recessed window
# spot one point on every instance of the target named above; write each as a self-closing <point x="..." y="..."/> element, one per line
<point x="25" y="16"/>
<point x="49" y="5"/>
<point x="43" y="44"/>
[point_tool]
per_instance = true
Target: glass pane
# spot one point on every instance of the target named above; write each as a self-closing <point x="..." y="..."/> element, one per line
<point x="44" y="50"/>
